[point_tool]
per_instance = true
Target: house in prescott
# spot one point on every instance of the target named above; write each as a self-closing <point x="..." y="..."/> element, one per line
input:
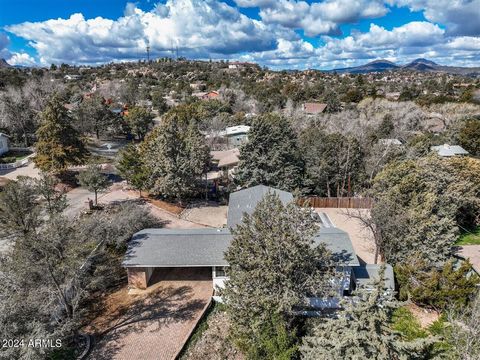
<point x="153" y="250"/>
<point x="4" y="143"/>
<point x="446" y="150"/>
<point x="236" y="135"/>
<point x="313" y="108"/>
<point x="226" y="161"/>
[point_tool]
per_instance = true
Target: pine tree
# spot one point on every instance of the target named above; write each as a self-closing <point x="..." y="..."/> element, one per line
<point x="132" y="168"/>
<point x="176" y="156"/>
<point x="139" y="121"/>
<point x="362" y="331"/>
<point x="59" y="144"/>
<point x="273" y="267"/>
<point x="93" y="179"/>
<point x="469" y="136"/>
<point x="271" y="156"/>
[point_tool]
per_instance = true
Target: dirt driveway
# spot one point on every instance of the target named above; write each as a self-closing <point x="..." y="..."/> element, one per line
<point x="212" y="215"/>
<point x="362" y="239"/>
<point x="154" y="323"/>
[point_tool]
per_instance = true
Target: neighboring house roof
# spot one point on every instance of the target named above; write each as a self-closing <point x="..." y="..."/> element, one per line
<point x="207" y="246"/>
<point x="446" y="150"/>
<point x="178" y="247"/>
<point x="226" y="158"/>
<point x="314" y="108"/>
<point x="236" y="130"/>
<point x="367" y="274"/>
<point x="4" y="135"/>
<point x="246" y="200"/>
<point x="389" y="142"/>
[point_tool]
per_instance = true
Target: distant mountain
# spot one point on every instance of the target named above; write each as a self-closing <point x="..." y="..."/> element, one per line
<point x="421" y="65"/>
<point x="4" y="64"/>
<point x="374" y="66"/>
<point x="424" y="62"/>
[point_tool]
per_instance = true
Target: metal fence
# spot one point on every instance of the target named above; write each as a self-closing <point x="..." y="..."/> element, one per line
<point x="337" y="202"/>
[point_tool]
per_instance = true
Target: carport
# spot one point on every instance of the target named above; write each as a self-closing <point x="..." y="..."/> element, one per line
<point x="169" y="254"/>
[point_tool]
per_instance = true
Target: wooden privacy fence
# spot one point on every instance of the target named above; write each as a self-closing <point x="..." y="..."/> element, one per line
<point x="337" y="202"/>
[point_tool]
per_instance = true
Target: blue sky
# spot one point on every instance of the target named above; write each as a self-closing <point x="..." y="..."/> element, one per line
<point x="276" y="33"/>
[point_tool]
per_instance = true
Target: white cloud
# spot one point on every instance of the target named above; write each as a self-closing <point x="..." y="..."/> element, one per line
<point x="199" y="29"/>
<point x="213" y="29"/>
<point x="319" y="17"/>
<point x="255" y="3"/>
<point x="378" y="39"/>
<point x="461" y="17"/>
<point x="23" y="59"/>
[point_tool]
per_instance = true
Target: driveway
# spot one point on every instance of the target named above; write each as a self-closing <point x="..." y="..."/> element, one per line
<point x="28" y="170"/>
<point x="362" y="239"/>
<point x="153" y="323"/>
<point x="471" y="252"/>
<point x="212" y="215"/>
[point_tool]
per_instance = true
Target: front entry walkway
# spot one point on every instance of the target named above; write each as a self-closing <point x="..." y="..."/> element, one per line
<point x="153" y="323"/>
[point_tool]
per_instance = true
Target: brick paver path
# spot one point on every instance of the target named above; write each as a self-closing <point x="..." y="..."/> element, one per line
<point x="157" y="325"/>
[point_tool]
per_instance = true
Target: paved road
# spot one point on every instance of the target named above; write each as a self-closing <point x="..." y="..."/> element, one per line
<point x="78" y="198"/>
<point x="77" y="201"/>
<point x="28" y="170"/>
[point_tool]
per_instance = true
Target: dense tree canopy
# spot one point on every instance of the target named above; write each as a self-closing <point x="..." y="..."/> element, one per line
<point x="334" y="163"/>
<point x="139" y="120"/>
<point x="93" y="116"/>
<point x="176" y="156"/>
<point x="59" y="144"/>
<point x="362" y="331"/>
<point x="420" y="204"/>
<point x="469" y="136"/>
<point x="50" y="266"/>
<point x="271" y="156"/>
<point x="132" y="168"/>
<point x="273" y="266"/>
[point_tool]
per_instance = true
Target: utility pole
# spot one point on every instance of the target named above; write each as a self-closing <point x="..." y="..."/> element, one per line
<point x="148" y="50"/>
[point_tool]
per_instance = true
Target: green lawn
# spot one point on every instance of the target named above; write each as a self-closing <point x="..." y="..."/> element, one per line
<point x="470" y="238"/>
<point x="13" y="156"/>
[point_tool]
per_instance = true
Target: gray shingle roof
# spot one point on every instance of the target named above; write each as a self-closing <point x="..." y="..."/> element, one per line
<point x="367" y="274"/>
<point x="245" y="201"/>
<point x="206" y="247"/>
<point x="339" y="244"/>
<point x="177" y="248"/>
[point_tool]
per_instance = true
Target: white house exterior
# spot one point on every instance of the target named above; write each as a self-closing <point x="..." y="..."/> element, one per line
<point x="237" y="135"/>
<point x="4" y="143"/>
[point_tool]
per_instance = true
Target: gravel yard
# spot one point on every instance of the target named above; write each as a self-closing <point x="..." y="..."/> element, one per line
<point x="362" y="239"/>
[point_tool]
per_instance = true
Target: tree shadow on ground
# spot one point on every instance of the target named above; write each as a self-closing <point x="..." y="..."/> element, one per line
<point x="152" y="313"/>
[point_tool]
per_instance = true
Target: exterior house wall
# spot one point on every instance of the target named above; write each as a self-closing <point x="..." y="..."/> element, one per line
<point x="139" y="277"/>
<point x="3" y="144"/>
<point x="237" y="139"/>
<point x="218" y="283"/>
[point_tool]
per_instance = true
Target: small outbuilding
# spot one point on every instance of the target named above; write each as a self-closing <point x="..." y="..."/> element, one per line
<point x="4" y="143"/>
